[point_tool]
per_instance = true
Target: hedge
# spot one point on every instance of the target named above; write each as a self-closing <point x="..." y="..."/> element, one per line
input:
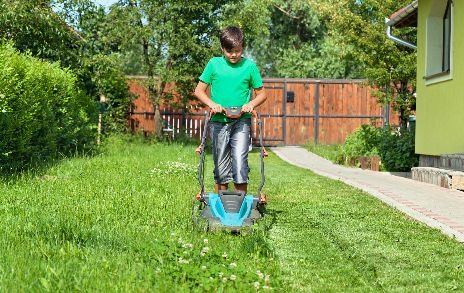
<point x="43" y="114"/>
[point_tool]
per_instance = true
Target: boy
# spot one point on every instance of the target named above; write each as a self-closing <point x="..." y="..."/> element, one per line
<point x="231" y="78"/>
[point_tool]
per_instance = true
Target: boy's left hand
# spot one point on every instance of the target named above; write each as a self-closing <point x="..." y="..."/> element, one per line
<point x="248" y="107"/>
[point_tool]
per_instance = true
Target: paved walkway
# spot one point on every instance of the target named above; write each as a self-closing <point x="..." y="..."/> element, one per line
<point x="436" y="206"/>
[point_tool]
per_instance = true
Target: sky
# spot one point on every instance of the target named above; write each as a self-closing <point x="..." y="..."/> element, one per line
<point x="105" y="3"/>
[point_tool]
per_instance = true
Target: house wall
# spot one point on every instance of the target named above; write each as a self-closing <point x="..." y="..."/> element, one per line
<point x="440" y="106"/>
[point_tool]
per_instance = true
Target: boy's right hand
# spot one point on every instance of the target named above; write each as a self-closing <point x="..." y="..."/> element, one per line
<point x="217" y="108"/>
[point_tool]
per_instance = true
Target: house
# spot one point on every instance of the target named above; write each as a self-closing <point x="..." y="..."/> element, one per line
<point x="440" y="87"/>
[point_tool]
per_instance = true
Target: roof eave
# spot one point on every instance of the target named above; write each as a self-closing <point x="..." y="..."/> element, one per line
<point x="406" y="16"/>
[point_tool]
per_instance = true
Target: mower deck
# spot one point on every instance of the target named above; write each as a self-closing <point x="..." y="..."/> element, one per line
<point x="231" y="209"/>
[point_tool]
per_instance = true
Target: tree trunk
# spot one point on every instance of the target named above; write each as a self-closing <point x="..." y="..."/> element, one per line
<point x="158" y="122"/>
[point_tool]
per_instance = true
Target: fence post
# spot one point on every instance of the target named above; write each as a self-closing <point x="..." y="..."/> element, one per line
<point x="284" y="114"/>
<point x="316" y="114"/>
<point x="386" y="115"/>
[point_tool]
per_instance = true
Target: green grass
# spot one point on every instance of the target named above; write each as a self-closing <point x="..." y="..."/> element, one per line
<point x="329" y="152"/>
<point x="121" y="221"/>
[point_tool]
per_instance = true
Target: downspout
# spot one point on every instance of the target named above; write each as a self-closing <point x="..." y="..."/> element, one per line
<point x="396" y="39"/>
<point x="398" y="17"/>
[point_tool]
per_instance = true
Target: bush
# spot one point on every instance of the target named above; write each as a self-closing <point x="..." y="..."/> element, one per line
<point x="394" y="146"/>
<point x="397" y="149"/>
<point x="362" y="142"/>
<point x="42" y="113"/>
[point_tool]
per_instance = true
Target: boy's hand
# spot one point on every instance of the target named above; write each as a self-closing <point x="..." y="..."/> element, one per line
<point x="217" y="108"/>
<point x="248" y="108"/>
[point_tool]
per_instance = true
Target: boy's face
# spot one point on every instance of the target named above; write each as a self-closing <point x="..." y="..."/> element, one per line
<point x="233" y="55"/>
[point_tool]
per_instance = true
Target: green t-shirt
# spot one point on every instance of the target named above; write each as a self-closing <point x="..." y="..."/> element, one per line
<point x="231" y="83"/>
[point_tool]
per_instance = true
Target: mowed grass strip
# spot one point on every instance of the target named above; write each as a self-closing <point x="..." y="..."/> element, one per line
<point x="329" y="236"/>
<point x="121" y="221"/>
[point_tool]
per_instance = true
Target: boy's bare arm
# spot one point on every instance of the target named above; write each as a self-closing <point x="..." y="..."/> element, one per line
<point x="202" y="95"/>
<point x="260" y="97"/>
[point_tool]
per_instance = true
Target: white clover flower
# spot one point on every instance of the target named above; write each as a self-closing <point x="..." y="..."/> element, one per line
<point x="203" y="267"/>
<point x="178" y="168"/>
<point x="211" y="278"/>
<point x="205" y="241"/>
<point x="260" y="275"/>
<point x="187" y="245"/>
<point x="267" y="278"/>
<point x="256" y="285"/>
<point x="266" y="288"/>
<point x="233" y="265"/>
<point x="183" y="261"/>
<point x="233" y="277"/>
<point x="224" y="279"/>
<point x="155" y="171"/>
<point x="205" y="249"/>
<point x="224" y="255"/>
<point x="221" y="274"/>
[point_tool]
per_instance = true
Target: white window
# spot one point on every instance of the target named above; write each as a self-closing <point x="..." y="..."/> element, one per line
<point x="439" y="42"/>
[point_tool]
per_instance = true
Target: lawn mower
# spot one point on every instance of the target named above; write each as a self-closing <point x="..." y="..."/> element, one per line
<point x="229" y="210"/>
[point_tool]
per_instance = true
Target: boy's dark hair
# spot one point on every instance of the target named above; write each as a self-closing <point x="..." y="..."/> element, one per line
<point x="232" y="37"/>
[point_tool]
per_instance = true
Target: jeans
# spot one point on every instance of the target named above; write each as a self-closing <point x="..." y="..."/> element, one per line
<point x="231" y="142"/>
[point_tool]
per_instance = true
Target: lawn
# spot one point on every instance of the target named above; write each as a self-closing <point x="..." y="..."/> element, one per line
<point x="329" y="152"/>
<point x="121" y="221"/>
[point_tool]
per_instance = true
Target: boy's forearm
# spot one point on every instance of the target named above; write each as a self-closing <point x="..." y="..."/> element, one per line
<point x="259" y="99"/>
<point x="203" y="97"/>
<point x="200" y="93"/>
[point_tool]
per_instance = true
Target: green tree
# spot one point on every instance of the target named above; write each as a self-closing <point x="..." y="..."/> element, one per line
<point x="34" y="27"/>
<point x="389" y="67"/>
<point x="100" y="72"/>
<point x="291" y="39"/>
<point x="174" y="38"/>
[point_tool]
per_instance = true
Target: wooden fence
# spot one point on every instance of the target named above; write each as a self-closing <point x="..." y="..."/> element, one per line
<point x="297" y="111"/>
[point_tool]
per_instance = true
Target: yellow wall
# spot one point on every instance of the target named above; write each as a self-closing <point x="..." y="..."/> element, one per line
<point x="440" y="106"/>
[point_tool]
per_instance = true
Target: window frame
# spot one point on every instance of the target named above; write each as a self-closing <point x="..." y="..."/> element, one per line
<point x="438" y="66"/>
<point x="446" y="38"/>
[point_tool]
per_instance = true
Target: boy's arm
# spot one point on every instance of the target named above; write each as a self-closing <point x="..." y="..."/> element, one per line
<point x="201" y="94"/>
<point x="260" y="97"/>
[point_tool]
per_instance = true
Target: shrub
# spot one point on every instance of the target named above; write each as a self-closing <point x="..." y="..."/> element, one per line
<point x="362" y="142"/>
<point x="42" y="113"/>
<point x="396" y="148"/>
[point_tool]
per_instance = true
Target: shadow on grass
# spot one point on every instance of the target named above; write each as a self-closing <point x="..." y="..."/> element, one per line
<point x="38" y="167"/>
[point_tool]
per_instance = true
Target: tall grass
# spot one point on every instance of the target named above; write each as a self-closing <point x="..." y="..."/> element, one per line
<point x="121" y="221"/>
<point x="332" y="153"/>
